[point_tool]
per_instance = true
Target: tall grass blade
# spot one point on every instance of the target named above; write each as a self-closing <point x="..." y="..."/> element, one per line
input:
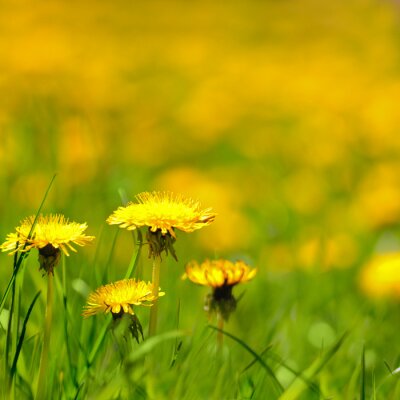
<point x="93" y="353"/>
<point x="268" y="348"/>
<point x="177" y="344"/>
<point x="9" y="330"/>
<point x="45" y="379"/>
<point x="148" y="345"/>
<point x="362" y="382"/>
<point x="110" y="256"/>
<point x="388" y="367"/>
<point x="255" y="355"/>
<point x="311" y="385"/>
<point x="135" y="258"/>
<point x="300" y="383"/>
<point x="22" y="336"/>
<point x="71" y="367"/>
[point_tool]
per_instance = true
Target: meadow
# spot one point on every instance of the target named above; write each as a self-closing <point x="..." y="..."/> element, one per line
<point x="280" y="116"/>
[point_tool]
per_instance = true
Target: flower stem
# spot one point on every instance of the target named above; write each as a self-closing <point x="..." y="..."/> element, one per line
<point x="156" y="288"/>
<point x="220" y="335"/>
<point x="44" y="358"/>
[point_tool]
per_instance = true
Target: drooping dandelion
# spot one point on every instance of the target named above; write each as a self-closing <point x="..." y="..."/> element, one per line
<point x="119" y="297"/>
<point x="221" y="276"/>
<point x="162" y="213"/>
<point x="51" y="235"/>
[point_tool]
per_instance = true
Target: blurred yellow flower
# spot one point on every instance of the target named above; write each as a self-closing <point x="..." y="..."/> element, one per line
<point x="118" y="297"/>
<point x="51" y="231"/>
<point x="222" y="191"/>
<point x="51" y="234"/>
<point x="318" y="251"/>
<point x="221" y="276"/>
<point x="380" y="277"/>
<point x="162" y="211"/>
<point x="218" y="273"/>
<point x="377" y="198"/>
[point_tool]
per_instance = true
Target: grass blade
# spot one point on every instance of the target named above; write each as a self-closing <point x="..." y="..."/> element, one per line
<point x="362" y="382"/>
<point x="22" y="336"/>
<point x="135" y="258"/>
<point x="255" y="355"/>
<point x="152" y="342"/>
<point x="300" y="383"/>
<point x="265" y="351"/>
<point x="71" y="367"/>
<point x="177" y="344"/>
<point x="94" y="351"/>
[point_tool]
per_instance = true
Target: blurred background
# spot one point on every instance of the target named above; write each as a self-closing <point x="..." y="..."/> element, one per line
<point x="281" y="115"/>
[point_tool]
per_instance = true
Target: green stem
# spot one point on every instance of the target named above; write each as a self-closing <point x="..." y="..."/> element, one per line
<point x="135" y="258"/>
<point x="220" y="335"/>
<point x="10" y="327"/>
<point x="66" y="336"/>
<point x="156" y="288"/>
<point x="93" y="353"/>
<point x="44" y="358"/>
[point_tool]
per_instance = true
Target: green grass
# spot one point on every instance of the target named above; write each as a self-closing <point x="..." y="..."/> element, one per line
<point x="270" y="349"/>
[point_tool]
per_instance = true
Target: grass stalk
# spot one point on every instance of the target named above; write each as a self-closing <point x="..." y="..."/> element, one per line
<point x="135" y="257"/>
<point x="220" y="335"/>
<point x="156" y="288"/>
<point x="71" y="367"/>
<point x="41" y="391"/>
<point x="93" y="353"/>
<point x="255" y="355"/>
<point x="21" y="338"/>
<point x="9" y="337"/>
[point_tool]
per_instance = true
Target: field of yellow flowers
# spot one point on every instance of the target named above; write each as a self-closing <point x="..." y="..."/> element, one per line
<point x="200" y="200"/>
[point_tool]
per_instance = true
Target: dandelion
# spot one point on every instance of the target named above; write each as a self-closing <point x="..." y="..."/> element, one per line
<point x="221" y="276"/>
<point x="118" y="298"/>
<point x="51" y="235"/>
<point x="162" y="213"/>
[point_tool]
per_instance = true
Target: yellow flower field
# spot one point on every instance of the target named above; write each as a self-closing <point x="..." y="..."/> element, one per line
<point x="272" y="125"/>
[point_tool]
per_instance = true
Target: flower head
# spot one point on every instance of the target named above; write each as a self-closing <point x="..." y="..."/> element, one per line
<point x="162" y="211"/>
<point x="218" y="273"/>
<point x="118" y="297"/>
<point x="221" y="276"/>
<point x="51" y="234"/>
<point x="54" y="230"/>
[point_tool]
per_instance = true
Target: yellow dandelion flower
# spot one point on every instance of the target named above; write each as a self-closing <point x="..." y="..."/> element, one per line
<point x="51" y="234"/>
<point x="221" y="276"/>
<point x="162" y="211"/>
<point x="218" y="273"/>
<point x="380" y="277"/>
<point x="118" y="297"/>
<point x="54" y="230"/>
